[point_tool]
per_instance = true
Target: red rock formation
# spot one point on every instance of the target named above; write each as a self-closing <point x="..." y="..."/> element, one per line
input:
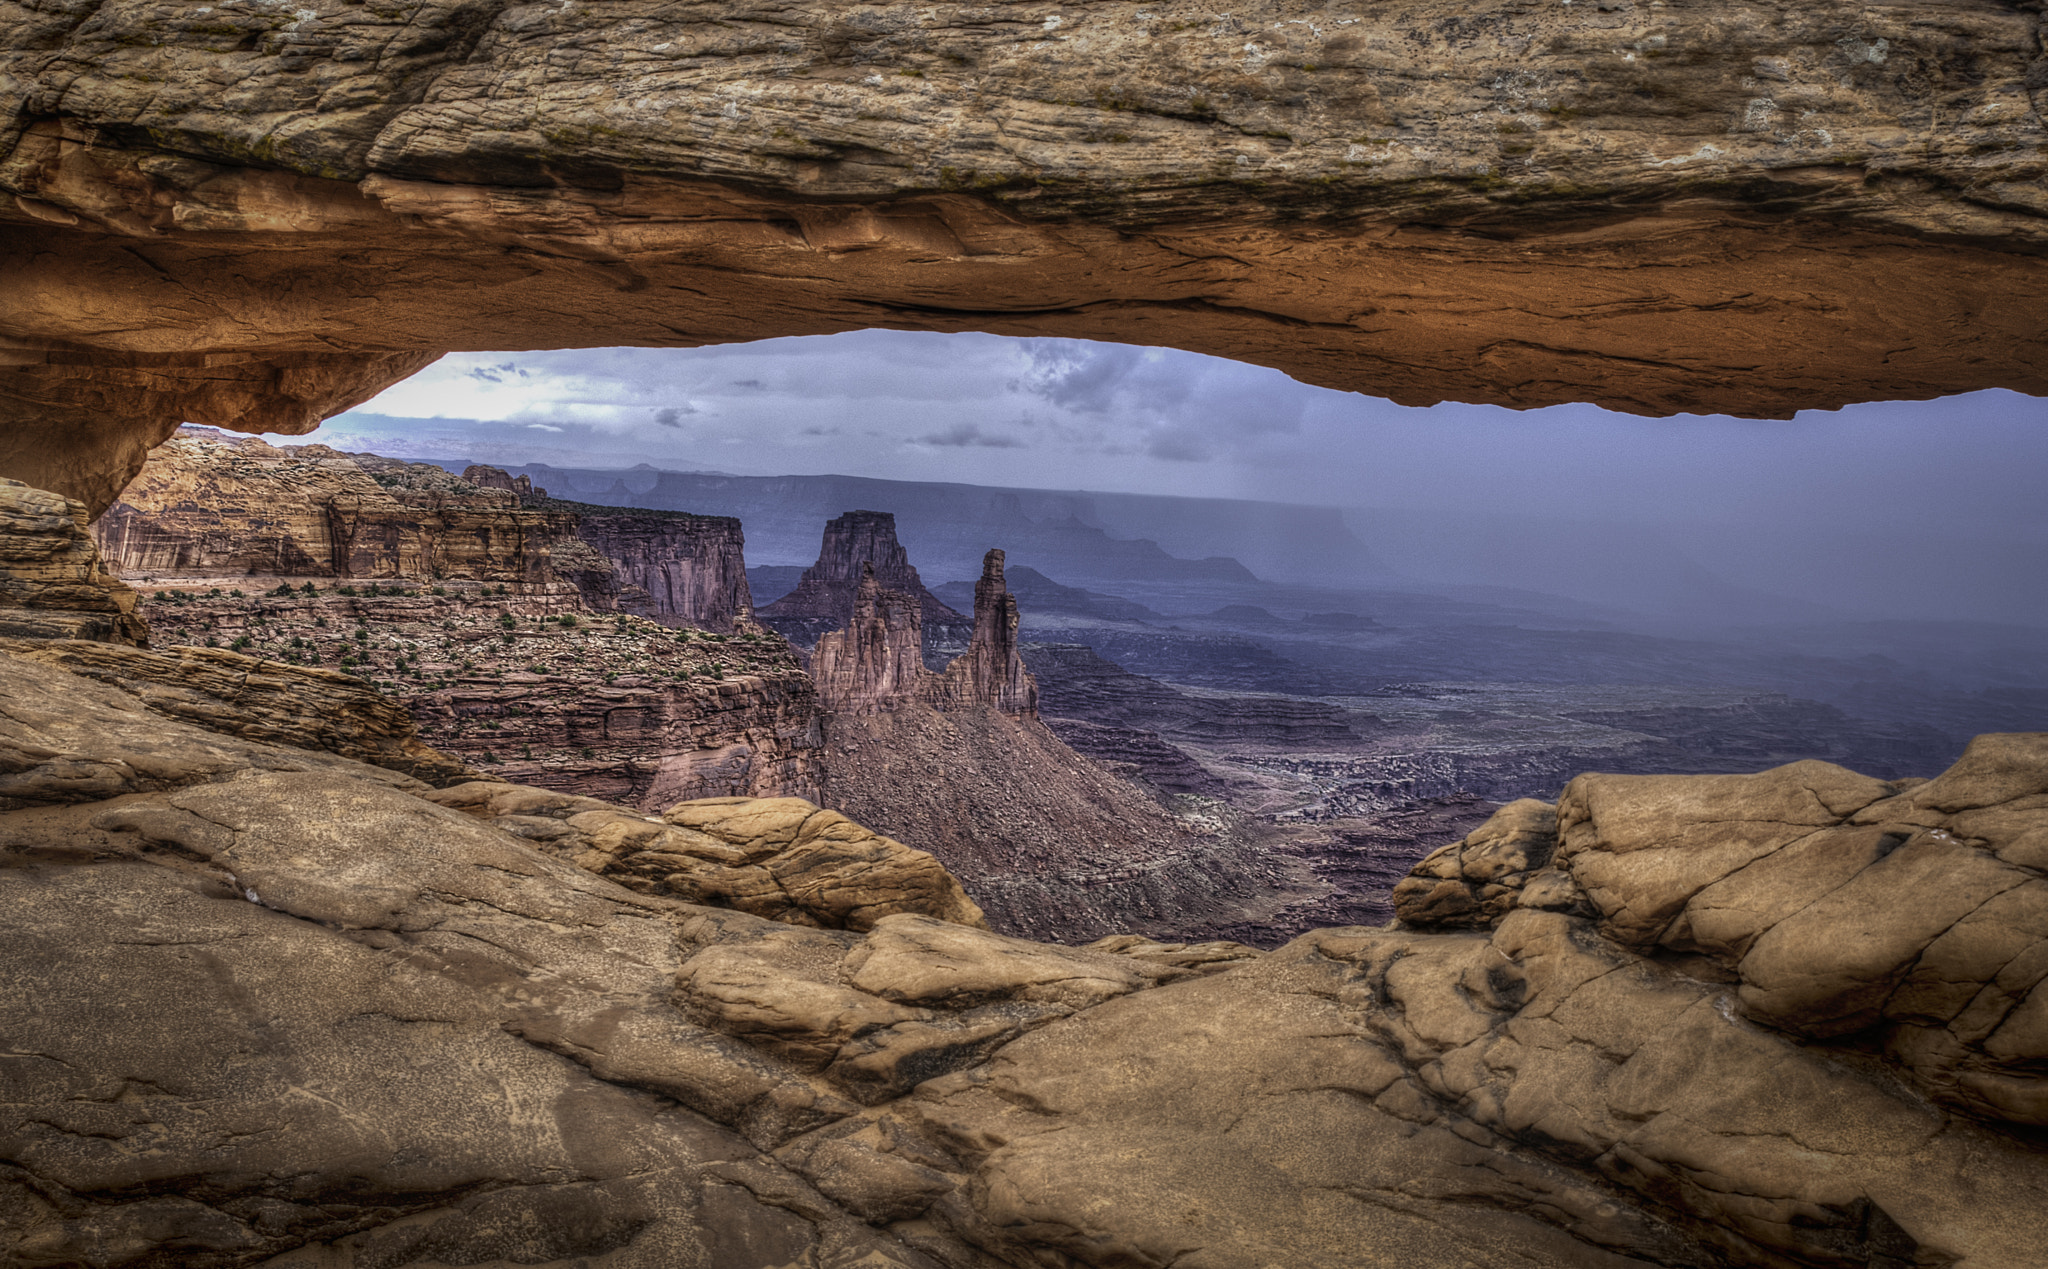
<point x="877" y="662"/>
<point x="677" y="569"/>
<point x="207" y="508"/>
<point x="990" y="672"/>
<point x="824" y="597"/>
<point x="498" y="478"/>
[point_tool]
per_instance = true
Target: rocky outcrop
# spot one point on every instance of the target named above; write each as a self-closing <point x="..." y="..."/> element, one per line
<point x="990" y="672"/>
<point x="257" y="996"/>
<point x="208" y="507"/>
<point x="1474" y="882"/>
<point x="53" y="584"/>
<point x="824" y="597"/>
<point x="523" y="682"/>
<point x="778" y="858"/>
<point x="877" y="662"/>
<point x="677" y="569"/>
<point x="300" y="707"/>
<point x="1548" y="204"/>
<point x="487" y="477"/>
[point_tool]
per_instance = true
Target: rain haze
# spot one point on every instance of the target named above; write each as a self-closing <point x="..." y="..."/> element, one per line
<point x="1894" y="510"/>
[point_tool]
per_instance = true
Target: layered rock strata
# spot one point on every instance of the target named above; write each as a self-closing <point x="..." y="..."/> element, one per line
<point x="216" y="962"/>
<point x="53" y="581"/>
<point x="208" y="507"/>
<point x="522" y="681"/>
<point x="876" y="663"/>
<point x="677" y="569"/>
<point x="990" y="672"/>
<point x="824" y="597"/>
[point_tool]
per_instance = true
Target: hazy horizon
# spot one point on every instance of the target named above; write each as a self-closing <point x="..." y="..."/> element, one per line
<point x="1916" y="510"/>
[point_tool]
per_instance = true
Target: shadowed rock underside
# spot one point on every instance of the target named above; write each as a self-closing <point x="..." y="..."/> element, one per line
<point x="255" y="219"/>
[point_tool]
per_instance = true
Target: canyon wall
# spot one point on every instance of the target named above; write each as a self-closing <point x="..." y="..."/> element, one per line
<point x="824" y="597"/>
<point x="207" y="507"/>
<point x="528" y="685"/>
<point x="678" y="569"/>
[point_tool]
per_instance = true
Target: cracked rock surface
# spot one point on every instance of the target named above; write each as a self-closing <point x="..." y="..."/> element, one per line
<point x="255" y="216"/>
<point x="269" y="1006"/>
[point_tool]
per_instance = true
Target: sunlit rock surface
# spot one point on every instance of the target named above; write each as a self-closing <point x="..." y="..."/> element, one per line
<point x="268" y="1005"/>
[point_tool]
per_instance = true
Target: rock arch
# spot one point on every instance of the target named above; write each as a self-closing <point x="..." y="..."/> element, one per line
<point x="257" y="215"/>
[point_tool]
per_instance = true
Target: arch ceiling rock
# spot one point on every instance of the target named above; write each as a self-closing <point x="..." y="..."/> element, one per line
<point x="256" y="213"/>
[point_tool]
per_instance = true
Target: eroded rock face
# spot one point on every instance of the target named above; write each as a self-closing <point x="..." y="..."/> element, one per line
<point x="271" y="1006"/>
<point x="53" y="582"/>
<point x="300" y="707"/>
<point x="990" y="672"/>
<point x="856" y="544"/>
<point x="1657" y="208"/>
<point x="204" y="508"/>
<point x="877" y="662"/>
<point x="680" y="570"/>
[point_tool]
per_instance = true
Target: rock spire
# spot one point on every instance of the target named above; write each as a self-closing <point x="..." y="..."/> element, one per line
<point x="990" y="672"/>
<point x="876" y="663"/>
<point x="824" y="597"/>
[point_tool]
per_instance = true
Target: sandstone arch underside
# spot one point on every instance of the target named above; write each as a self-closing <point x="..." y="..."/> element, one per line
<point x="255" y="213"/>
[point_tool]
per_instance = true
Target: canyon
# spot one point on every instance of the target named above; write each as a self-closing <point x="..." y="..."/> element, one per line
<point x="570" y="674"/>
<point x="480" y="903"/>
<point x="267" y="953"/>
<point x="484" y="608"/>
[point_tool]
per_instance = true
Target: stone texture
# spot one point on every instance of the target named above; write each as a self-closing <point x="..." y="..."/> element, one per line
<point x="271" y="1006"/>
<point x="1473" y="883"/>
<point x="877" y="662"/>
<point x="778" y="858"/>
<point x="824" y="598"/>
<point x="300" y="707"/>
<point x="53" y="583"/>
<point x="256" y="219"/>
<point x="205" y="506"/>
<point x="679" y="570"/>
<point x="520" y="680"/>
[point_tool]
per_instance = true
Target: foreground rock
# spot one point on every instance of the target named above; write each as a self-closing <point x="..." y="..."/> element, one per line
<point x="53" y="584"/>
<point x="264" y="1005"/>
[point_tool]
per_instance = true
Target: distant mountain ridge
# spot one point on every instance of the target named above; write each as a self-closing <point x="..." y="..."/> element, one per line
<point x="1077" y="535"/>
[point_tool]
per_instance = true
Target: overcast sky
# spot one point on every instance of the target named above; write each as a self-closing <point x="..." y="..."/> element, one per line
<point x="1912" y="479"/>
